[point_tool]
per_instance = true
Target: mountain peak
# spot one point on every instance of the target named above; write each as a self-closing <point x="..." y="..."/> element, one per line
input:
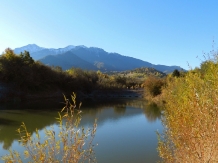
<point x="69" y="47"/>
<point x="32" y="45"/>
<point x="30" y="48"/>
<point x="82" y="46"/>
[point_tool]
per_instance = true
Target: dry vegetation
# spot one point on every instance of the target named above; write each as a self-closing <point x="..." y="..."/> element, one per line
<point x="71" y="144"/>
<point x="153" y="90"/>
<point x="191" y="116"/>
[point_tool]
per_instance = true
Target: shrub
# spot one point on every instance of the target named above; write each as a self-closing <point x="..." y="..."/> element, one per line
<point x="153" y="85"/>
<point x="191" y="118"/>
<point x="71" y="144"/>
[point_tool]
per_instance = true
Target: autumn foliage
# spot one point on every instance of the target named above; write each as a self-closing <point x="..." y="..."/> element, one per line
<point x="153" y="85"/>
<point x="191" y="116"/>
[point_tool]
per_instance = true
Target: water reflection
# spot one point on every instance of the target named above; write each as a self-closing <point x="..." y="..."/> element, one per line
<point x="11" y="117"/>
<point x="120" y="109"/>
<point x="152" y="112"/>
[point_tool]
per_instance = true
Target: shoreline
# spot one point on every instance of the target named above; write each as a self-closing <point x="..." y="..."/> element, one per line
<point x="111" y="94"/>
<point x="8" y="94"/>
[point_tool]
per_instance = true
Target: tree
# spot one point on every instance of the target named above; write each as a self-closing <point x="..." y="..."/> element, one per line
<point x="26" y="58"/>
<point x="176" y="73"/>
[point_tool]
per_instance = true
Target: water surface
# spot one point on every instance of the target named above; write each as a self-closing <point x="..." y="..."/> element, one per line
<point x="125" y="133"/>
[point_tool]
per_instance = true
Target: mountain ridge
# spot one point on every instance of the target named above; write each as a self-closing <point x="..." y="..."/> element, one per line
<point x="91" y="58"/>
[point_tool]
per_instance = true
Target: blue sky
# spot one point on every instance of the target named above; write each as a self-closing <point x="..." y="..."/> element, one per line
<point x="169" y="32"/>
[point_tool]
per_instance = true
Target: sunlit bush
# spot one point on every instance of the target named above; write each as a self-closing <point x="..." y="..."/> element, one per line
<point x="191" y="117"/>
<point x="153" y="85"/>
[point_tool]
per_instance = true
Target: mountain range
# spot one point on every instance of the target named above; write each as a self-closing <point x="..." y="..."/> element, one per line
<point x="88" y="58"/>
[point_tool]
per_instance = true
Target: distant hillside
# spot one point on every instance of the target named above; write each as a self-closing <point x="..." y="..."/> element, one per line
<point x="109" y="61"/>
<point x="89" y="58"/>
<point x="147" y="72"/>
<point x="142" y="72"/>
<point x="67" y="60"/>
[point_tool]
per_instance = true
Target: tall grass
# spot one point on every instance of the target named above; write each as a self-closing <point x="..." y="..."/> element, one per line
<point x="191" y="116"/>
<point x="71" y="144"/>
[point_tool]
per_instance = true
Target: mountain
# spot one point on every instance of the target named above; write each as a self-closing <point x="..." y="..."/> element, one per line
<point x="39" y="52"/>
<point x="167" y="69"/>
<point x="67" y="60"/>
<point x="109" y="61"/>
<point x="89" y="58"/>
<point x="30" y="48"/>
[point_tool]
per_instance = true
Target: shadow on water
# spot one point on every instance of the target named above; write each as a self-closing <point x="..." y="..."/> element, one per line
<point x="35" y="114"/>
<point x="40" y="114"/>
<point x="11" y="120"/>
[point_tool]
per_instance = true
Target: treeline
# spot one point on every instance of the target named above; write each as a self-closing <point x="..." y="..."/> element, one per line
<point x="140" y="73"/>
<point x="148" y="71"/>
<point x="190" y="108"/>
<point x="23" y="73"/>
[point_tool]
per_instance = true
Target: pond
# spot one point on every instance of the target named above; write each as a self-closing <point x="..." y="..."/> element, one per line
<point x="126" y="127"/>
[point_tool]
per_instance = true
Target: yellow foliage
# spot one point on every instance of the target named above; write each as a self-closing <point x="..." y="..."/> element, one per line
<point x="191" y="118"/>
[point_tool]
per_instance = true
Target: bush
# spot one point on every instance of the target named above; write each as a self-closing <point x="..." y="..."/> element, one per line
<point x="153" y="85"/>
<point x="191" y="118"/>
<point x="71" y="144"/>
